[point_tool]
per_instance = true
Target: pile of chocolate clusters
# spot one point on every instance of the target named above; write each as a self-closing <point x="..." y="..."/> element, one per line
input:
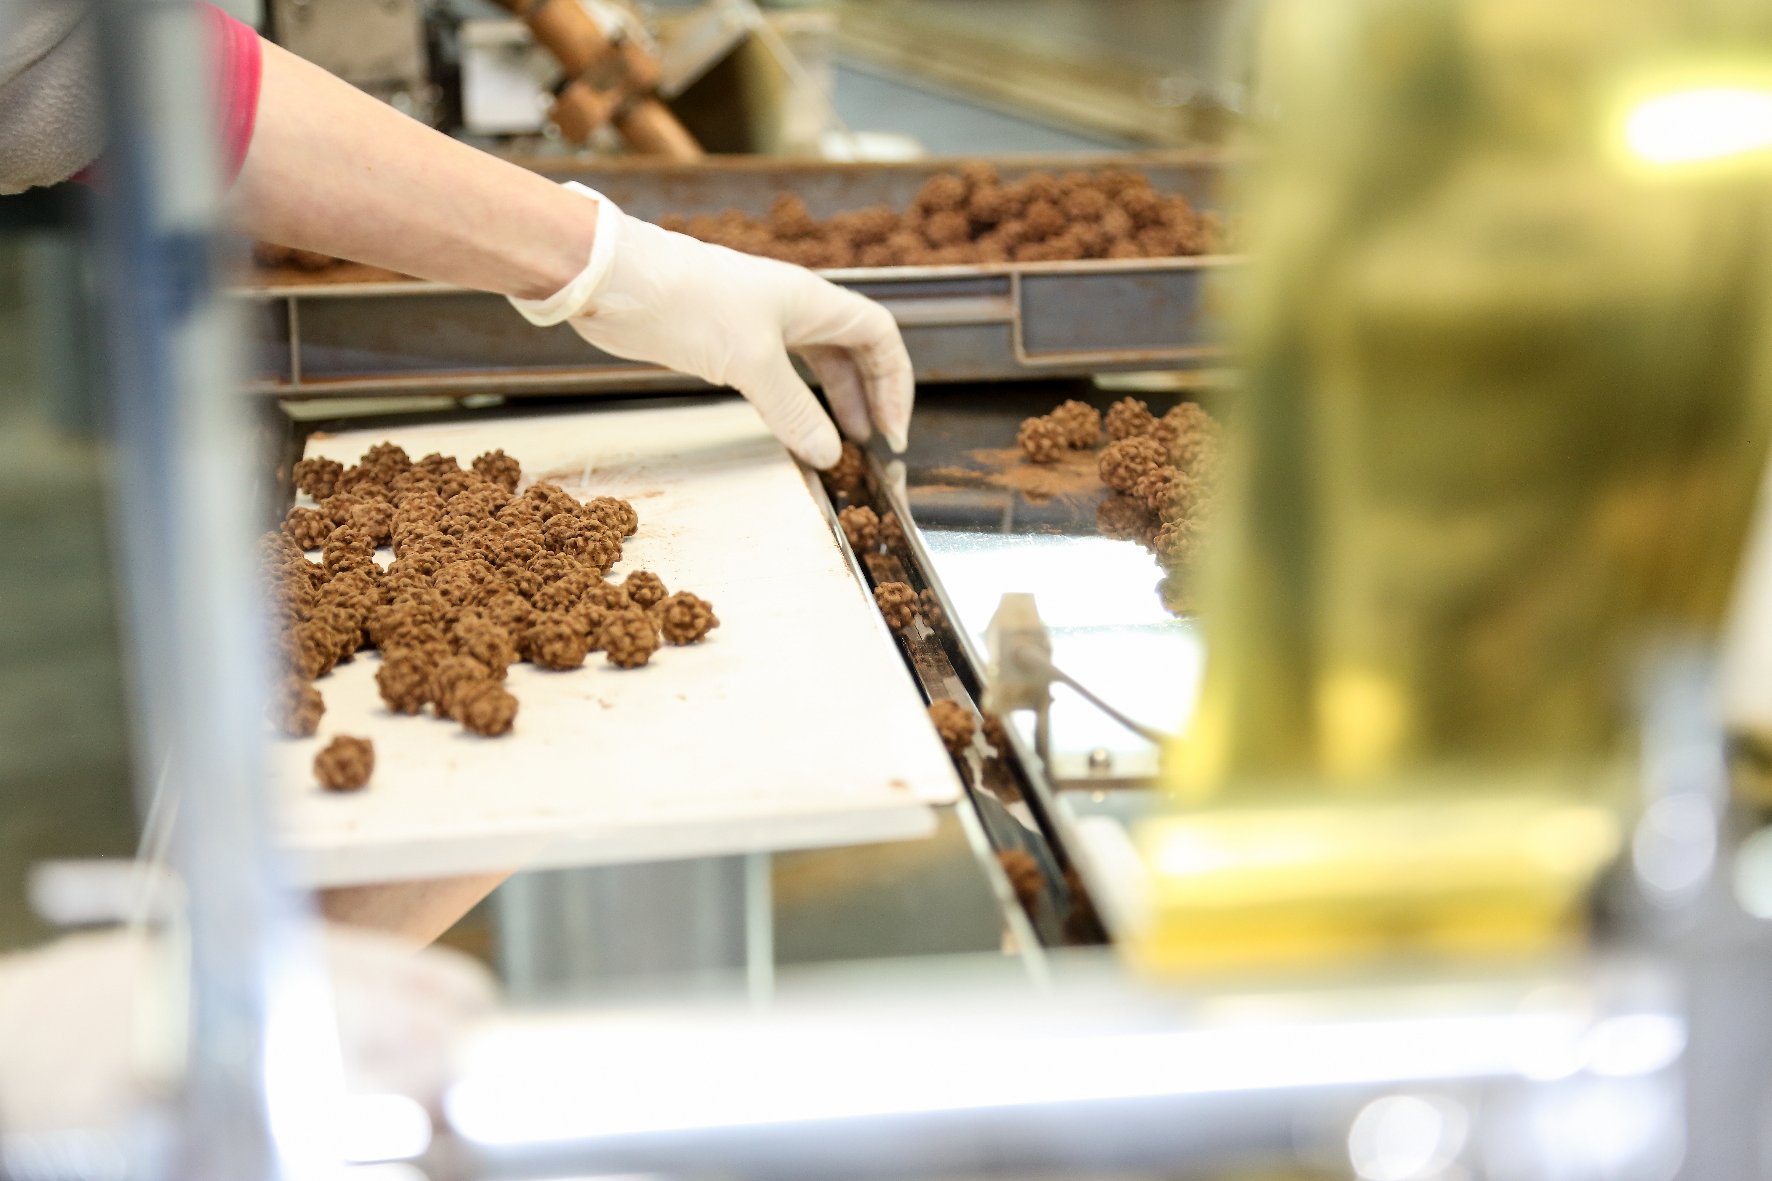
<point x="1162" y="472"/>
<point x="967" y="217"/>
<point x="971" y="217"/>
<point x="481" y="578"/>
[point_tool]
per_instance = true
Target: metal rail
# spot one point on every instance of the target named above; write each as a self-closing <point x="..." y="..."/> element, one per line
<point x="1064" y="319"/>
<point x="937" y="680"/>
<point x="359" y="332"/>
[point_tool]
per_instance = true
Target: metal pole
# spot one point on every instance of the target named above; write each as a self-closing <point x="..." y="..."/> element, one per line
<point x="182" y="518"/>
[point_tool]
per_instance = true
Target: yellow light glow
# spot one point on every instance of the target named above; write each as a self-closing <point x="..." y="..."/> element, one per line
<point x="1705" y="123"/>
<point x="1364" y="720"/>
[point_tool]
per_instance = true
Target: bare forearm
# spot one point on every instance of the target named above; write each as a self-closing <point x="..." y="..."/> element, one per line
<point x="416" y="913"/>
<point x="333" y="170"/>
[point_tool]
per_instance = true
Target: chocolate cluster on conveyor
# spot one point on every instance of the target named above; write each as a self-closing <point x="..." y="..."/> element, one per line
<point x="996" y="734"/>
<point x="1026" y="879"/>
<point x="973" y="216"/>
<point x="898" y="603"/>
<point x="482" y="577"/>
<point x="1161" y="472"/>
<point x="861" y="526"/>
<point x="955" y="723"/>
<point x="1042" y="440"/>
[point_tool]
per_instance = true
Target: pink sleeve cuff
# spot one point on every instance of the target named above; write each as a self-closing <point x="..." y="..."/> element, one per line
<point x="239" y="66"/>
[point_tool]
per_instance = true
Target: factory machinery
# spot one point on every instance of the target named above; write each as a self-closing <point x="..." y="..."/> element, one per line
<point x="992" y="344"/>
<point x="1500" y="1048"/>
<point x="1375" y="920"/>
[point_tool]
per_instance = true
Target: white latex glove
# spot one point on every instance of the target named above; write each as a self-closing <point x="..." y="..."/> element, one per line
<point x="728" y="318"/>
<point x="80" y="1019"/>
<point x="70" y="1038"/>
<point x="400" y="1011"/>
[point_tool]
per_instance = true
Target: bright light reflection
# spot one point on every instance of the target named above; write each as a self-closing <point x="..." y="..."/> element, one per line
<point x="1081" y="582"/>
<point x="1674" y="847"/>
<point x="1606" y="1128"/>
<point x="1635" y="1044"/>
<point x="1753" y="874"/>
<point x="530" y="1085"/>
<point x="1404" y="1137"/>
<point x="382" y="1128"/>
<point x="1705" y="123"/>
<point x="1109" y="630"/>
<point x="1185" y="854"/>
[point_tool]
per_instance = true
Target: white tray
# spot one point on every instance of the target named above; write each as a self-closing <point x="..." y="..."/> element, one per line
<point x="795" y="724"/>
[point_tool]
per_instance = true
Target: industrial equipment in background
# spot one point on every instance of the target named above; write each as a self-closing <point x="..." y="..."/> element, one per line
<point x="581" y="75"/>
<point x="380" y="47"/>
<point x="740" y="78"/>
<point x="611" y="77"/>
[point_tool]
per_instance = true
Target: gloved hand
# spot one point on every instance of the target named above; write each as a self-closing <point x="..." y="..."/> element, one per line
<point x="728" y="318"/>
<point x="83" y="1022"/>
<point x="399" y="1010"/>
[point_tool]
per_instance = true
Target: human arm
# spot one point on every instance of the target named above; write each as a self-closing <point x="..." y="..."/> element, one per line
<point x="332" y="170"/>
<point x="414" y="913"/>
<point x="324" y="167"/>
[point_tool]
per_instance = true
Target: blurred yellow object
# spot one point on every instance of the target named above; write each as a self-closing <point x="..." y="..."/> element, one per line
<point x="1505" y="411"/>
<point x="1283" y="885"/>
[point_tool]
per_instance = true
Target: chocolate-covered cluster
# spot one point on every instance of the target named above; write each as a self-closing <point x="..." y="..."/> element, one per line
<point x="1161" y="472"/>
<point x="481" y="577"/>
<point x="974" y="216"/>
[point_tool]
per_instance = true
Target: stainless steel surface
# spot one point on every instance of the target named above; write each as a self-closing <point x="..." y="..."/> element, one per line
<point x="978" y="530"/>
<point x="959" y="323"/>
<point x="725" y="928"/>
<point x="926" y="654"/>
<point x="991" y="526"/>
<point x="574" y="932"/>
<point x="1007" y="806"/>
<point x="317" y="338"/>
<point x="910" y="902"/>
<point x="893" y="103"/>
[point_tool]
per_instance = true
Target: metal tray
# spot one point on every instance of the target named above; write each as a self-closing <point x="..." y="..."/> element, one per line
<point x="318" y="336"/>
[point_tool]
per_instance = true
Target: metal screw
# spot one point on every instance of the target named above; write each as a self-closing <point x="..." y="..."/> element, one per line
<point x="1101" y="759"/>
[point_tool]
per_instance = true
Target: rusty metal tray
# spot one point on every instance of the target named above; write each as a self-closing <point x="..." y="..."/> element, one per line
<point x="332" y="335"/>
